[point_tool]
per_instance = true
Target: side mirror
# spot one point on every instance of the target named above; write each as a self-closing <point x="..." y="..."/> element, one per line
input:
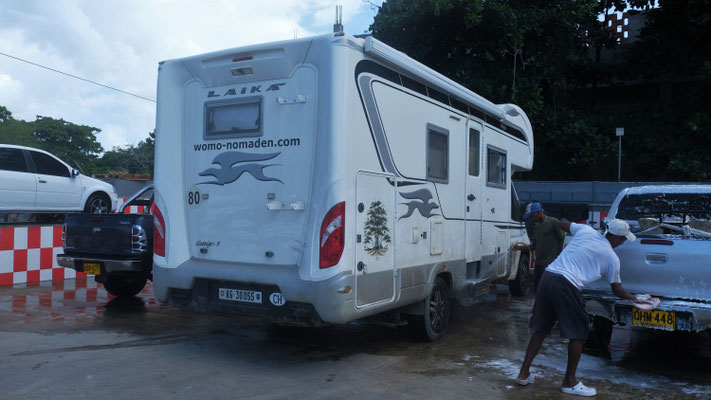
<point x="74" y="172"/>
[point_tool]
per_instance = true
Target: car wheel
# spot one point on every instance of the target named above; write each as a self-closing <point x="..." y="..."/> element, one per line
<point x="519" y="286"/>
<point x="125" y="285"/>
<point x="600" y="334"/>
<point x="98" y="203"/>
<point x="433" y="323"/>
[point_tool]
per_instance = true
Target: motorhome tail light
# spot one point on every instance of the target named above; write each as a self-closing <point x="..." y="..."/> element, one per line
<point x="245" y="58"/>
<point x="661" y="242"/>
<point x="332" y="236"/>
<point x="158" y="231"/>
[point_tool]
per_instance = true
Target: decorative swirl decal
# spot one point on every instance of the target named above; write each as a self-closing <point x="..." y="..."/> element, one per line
<point x="230" y="172"/>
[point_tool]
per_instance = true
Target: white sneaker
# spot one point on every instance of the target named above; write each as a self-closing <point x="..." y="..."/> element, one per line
<point x="580" y="390"/>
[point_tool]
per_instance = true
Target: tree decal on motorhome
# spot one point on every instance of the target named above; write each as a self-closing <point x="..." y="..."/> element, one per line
<point x="376" y="230"/>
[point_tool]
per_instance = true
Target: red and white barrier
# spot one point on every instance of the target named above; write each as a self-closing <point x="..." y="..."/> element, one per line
<point x="29" y="254"/>
<point x="134" y="209"/>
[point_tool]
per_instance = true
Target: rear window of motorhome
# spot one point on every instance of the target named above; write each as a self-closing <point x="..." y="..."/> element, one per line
<point x="233" y="119"/>
<point x="496" y="173"/>
<point x="437" y="154"/>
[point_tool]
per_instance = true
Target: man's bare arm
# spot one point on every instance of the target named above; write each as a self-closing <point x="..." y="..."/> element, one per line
<point x="620" y="292"/>
<point x="564" y="226"/>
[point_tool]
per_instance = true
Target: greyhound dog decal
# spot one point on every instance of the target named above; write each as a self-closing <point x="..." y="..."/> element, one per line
<point x="230" y="171"/>
<point x="421" y="202"/>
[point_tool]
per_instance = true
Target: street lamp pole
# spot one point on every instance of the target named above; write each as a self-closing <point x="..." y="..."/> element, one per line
<point x="619" y="132"/>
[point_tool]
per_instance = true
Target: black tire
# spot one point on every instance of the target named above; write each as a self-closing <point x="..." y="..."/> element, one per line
<point x="125" y="285"/>
<point x="520" y="285"/>
<point x="600" y="334"/>
<point x="98" y="203"/>
<point x="433" y="323"/>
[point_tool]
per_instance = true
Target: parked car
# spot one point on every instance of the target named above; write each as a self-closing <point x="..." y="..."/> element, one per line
<point x="669" y="260"/>
<point x="117" y="248"/>
<point x="33" y="180"/>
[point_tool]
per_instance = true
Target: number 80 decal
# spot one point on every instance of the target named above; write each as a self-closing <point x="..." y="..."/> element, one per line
<point x="193" y="197"/>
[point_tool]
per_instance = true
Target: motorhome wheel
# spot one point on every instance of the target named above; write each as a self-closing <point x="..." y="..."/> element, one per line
<point x="432" y="324"/>
<point x="519" y="286"/>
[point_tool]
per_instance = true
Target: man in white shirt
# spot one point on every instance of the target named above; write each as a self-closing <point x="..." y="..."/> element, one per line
<point x="587" y="258"/>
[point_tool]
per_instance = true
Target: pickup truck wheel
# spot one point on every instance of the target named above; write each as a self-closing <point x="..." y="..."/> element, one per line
<point x="98" y="203"/>
<point x="125" y="285"/>
<point x="600" y="334"/>
<point x="432" y="324"/>
<point x="519" y="286"/>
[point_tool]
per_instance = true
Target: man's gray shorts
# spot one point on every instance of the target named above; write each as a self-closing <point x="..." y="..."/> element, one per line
<point x="559" y="300"/>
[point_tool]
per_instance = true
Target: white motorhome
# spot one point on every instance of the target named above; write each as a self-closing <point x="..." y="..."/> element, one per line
<point x="328" y="179"/>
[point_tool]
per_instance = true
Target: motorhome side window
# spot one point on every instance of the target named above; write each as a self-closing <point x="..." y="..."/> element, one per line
<point x="235" y="119"/>
<point x="473" y="152"/>
<point x="496" y="173"/>
<point x="437" y="154"/>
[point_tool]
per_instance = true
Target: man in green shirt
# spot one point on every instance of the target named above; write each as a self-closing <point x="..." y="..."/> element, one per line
<point x="547" y="242"/>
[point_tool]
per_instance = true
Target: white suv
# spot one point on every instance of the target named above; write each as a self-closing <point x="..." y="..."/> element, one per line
<point x="35" y="180"/>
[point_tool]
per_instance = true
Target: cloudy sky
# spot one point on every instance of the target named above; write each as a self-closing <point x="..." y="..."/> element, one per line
<point x="119" y="44"/>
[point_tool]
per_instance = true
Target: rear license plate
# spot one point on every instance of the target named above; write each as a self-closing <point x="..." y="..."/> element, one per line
<point x="654" y="319"/>
<point x="92" y="268"/>
<point x="243" y="296"/>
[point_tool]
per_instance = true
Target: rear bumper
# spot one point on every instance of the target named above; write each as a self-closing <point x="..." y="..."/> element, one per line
<point x="108" y="264"/>
<point x="692" y="316"/>
<point x="195" y="285"/>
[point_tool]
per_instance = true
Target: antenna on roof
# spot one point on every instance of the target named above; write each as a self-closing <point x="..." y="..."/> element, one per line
<point x="338" y="25"/>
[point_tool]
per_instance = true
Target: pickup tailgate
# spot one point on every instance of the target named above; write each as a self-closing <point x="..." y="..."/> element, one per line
<point x="105" y="235"/>
<point x="670" y="266"/>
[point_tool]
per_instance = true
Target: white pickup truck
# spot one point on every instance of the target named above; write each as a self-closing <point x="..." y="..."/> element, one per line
<point x="671" y="260"/>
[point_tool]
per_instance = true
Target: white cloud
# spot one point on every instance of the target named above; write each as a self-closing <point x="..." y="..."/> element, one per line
<point x="119" y="44"/>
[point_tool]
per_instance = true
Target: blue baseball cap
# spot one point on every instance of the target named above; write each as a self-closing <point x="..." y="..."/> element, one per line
<point x="531" y="208"/>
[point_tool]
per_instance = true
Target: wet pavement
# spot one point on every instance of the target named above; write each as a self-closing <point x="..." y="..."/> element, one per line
<point x="71" y="340"/>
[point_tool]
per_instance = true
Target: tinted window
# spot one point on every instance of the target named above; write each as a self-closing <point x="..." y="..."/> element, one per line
<point x="437" y="95"/>
<point x="496" y="173"/>
<point x="473" y="152"/>
<point x="413" y="85"/>
<point x="48" y="165"/>
<point x="670" y="207"/>
<point x="437" y="154"/>
<point x="12" y="160"/>
<point x="236" y="119"/>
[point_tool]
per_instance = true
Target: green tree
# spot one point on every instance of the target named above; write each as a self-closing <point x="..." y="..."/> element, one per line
<point x="73" y="143"/>
<point x="134" y="159"/>
<point x="377" y="233"/>
<point x="546" y="57"/>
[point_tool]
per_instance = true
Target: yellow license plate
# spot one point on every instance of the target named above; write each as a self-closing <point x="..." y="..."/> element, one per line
<point x="92" y="268"/>
<point x="654" y="319"/>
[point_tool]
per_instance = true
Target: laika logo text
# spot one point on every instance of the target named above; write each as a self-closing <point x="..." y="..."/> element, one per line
<point x="421" y="202"/>
<point x="232" y="167"/>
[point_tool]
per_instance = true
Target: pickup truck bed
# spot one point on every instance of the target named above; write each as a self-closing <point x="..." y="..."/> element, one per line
<point x="116" y="248"/>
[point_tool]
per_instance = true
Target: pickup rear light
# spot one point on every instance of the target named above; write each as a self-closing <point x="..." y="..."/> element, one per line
<point x="159" y="231"/>
<point x="139" y="240"/>
<point x="64" y="236"/>
<point x="661" y="242"/>
<point x="332" y="236"/>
